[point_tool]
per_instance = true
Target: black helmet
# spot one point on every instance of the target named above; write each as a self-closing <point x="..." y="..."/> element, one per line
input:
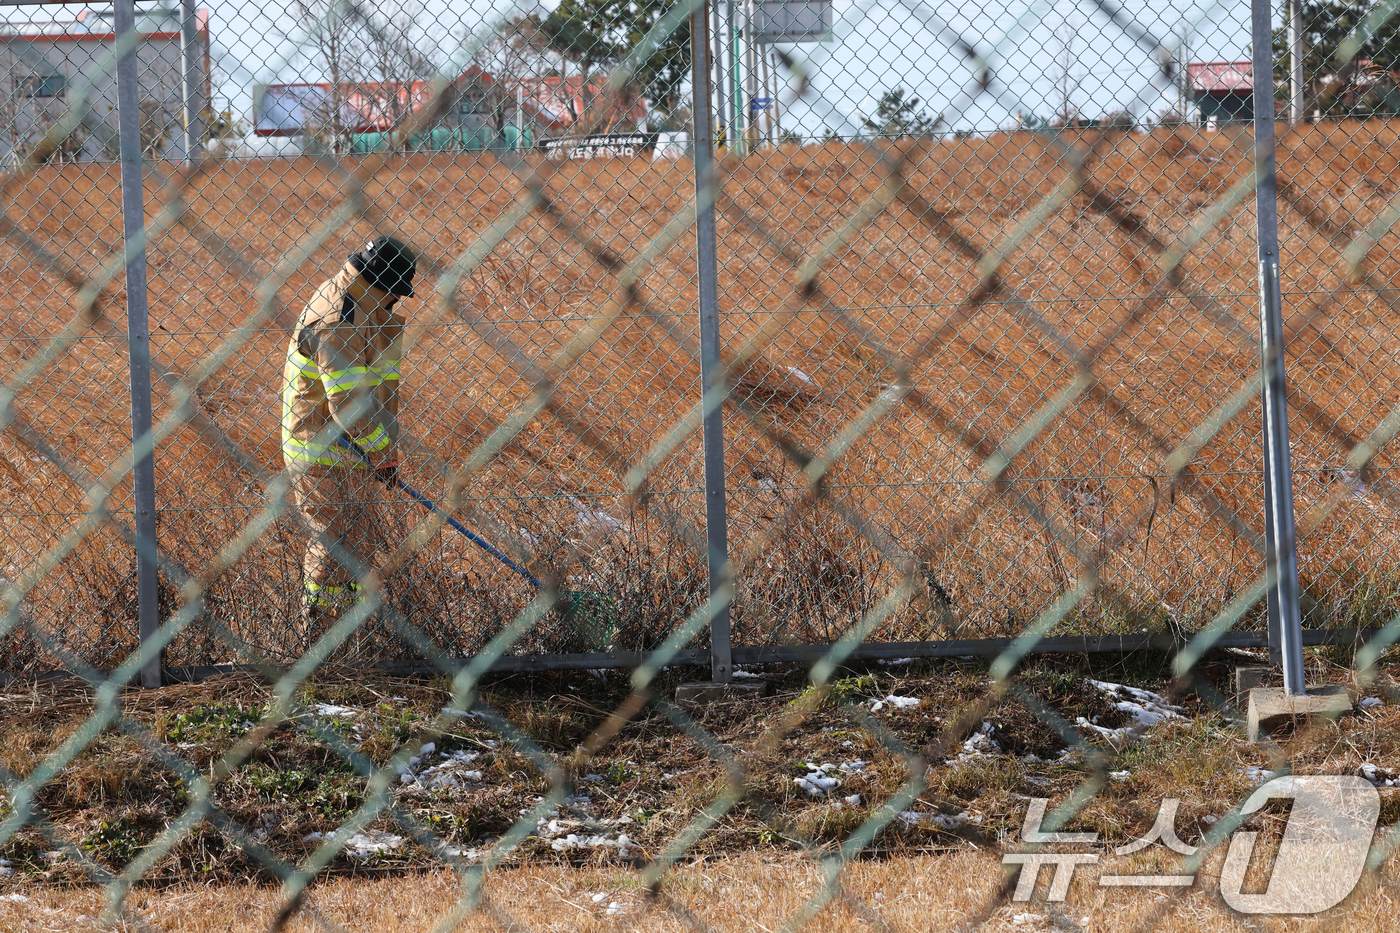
<point x="388" y="264"/>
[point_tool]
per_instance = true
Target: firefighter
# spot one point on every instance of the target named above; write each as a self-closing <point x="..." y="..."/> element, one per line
<point x="340" y="428"/>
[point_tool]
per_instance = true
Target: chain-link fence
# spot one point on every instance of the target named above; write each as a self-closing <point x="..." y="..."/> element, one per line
<point x="981" y="288"/>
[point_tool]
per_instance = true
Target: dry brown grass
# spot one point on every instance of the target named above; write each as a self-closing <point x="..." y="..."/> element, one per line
<point x="118" y="794"/>
<point x="746" y="873"/>
<point x="749" y="892"/>
<point x="1091" y="471"/>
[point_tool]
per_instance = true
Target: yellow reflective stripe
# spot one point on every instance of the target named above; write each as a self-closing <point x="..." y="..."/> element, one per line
<point x="376" y="440"/>
<point x="309" y="451"/>
<point x="323" y="594"/>
<point x="304" y="363"/>
<point x="386" y="371"/>
<point x="297" y="451"/>
<point x="346" y="380"/>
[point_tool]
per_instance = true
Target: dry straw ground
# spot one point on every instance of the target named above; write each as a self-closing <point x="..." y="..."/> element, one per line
<point x="1168" y="560"/>
<point x="748" y="893"/>
<point x="753" y="870"/>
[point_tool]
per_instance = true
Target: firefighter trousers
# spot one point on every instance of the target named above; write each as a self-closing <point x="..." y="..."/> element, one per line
<point x="342" y="510"/>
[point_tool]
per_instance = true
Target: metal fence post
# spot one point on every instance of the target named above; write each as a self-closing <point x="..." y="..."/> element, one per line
<point x="734" y="92"/>
<point x="143" y="476"/>
<point x="1281" y="545"/>
<point x="191" y="82"/>
<point x="707" y="274"/>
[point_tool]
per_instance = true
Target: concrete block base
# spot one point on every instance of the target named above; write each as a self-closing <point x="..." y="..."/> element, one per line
<point x="1251" y="677"/>
<point x="1272" y="711"/>
<point x="703" y="694"/>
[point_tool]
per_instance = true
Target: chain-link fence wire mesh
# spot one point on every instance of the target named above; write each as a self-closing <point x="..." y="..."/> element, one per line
<point x="1006" y="384"/>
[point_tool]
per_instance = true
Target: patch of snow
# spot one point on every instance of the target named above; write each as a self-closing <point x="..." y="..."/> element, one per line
<point x="453" y="772"/>
<point x="599" y="898"/>
<point x="1148" y="708"/>
<point x="896" y="662"/>
<point x="615" y="908"/>
<point x="1371" y="702"/>
<point x="593" y="778"/>
<point x="585" y="832"/>
<point x="820" y="781"/>
<point x="853" y="800"/>
<point x="1257" y="775"/>
<point x="955" y="821"/>
<point x="574" y="841"/>
<point x="470" y="855"/>
<point x="950" y="822"/>
<point x="335" y="712"/>
<point x="894" y="701"/>
<point x="14" y="898"/>
<point x="362" y="845"/>
<point x="817" y="782"/>
<point x="979" y="745"/>
<point x="1019" y="919"/>
<point x="738" y="673"/>
<point x="465" y="714"/>
<point x="1120" y="775"/>
<point x="373" y="842"/>
<point x="5" y="868"/>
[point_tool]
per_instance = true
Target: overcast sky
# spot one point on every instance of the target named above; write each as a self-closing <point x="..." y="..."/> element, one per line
<point x="1039" y="53"/>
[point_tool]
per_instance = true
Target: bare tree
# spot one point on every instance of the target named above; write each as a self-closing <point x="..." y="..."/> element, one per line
<point x="32" y="103"/>
<point x="332" y="37"/>
<point x="394" y="63"/>
<point x="1068" y="82"/>
<point x="516" y="55"/>
<point x="365" y="56"/>
<point x="11" y="112"/>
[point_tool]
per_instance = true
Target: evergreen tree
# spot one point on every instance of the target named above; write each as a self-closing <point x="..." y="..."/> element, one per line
<point x="1365" y="82"/>
<point x="897" y="116"/>
<point x="599" y="34"/>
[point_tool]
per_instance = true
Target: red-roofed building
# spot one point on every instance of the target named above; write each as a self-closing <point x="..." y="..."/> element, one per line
<point x="42" y="60"/>
<point x="479" y="104"/>
<point x="1222" y="91"/>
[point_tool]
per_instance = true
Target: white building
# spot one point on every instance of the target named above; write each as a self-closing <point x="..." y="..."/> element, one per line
<point x="46" y="64"/>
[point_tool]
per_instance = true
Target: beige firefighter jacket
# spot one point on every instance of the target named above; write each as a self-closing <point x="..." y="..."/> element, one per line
<point x="347" y="348"/>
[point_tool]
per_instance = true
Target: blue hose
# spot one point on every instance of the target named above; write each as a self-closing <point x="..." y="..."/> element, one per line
<point x="432" y="506"/>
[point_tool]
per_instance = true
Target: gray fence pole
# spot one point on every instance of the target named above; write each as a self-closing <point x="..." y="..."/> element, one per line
<point x="143" y="477"/>
<point x="707" y="272"/>
<point x="717" y="40"/>
<point x="731" y="38"/>
<point x="1281" y="548"/>
<point x="192" y="79"/>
